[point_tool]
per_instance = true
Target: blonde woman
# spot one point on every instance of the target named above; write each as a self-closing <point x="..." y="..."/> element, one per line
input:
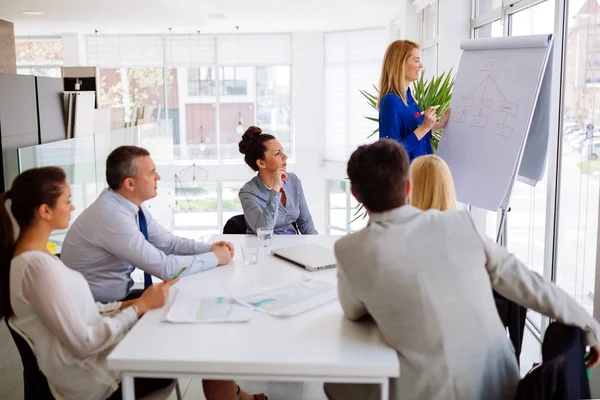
<point x="432" y="184"/>
<point x="400" y="118"/>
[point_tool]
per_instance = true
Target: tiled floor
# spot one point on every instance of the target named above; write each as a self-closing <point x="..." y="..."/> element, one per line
<point x="11" y="375"/>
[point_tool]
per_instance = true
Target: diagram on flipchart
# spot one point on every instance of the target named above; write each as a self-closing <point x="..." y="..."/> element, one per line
<point x="487" y="104"/>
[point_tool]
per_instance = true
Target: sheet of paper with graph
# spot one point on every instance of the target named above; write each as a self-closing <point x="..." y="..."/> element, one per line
<point x="193" y="307"/>
<point x="290" y="298"/>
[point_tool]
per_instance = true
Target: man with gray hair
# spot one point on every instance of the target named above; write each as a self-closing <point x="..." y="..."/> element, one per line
<point x="116" y="234"/>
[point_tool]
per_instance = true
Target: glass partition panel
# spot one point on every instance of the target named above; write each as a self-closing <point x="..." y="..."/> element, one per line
<point x="84" y="161"/>
<point x="76" y="158"/>
<point x="104" y="143"/>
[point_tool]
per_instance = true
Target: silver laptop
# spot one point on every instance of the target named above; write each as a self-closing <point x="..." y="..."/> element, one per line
<point x="309" y="256"/>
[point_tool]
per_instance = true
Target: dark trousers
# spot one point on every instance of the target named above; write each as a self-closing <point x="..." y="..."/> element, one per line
<point x="143" y="387"/>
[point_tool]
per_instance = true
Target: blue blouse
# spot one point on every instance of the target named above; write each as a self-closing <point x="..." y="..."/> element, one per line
<point x="397" y="121"/>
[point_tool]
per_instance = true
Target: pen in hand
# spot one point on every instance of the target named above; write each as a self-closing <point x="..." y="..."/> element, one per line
<point x="178" y="273"/>
<point x="420" y="113"/>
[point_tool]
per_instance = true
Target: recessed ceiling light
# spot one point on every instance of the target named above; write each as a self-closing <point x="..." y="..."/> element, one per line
<point x="33" y="13"/>
<point x="217" y="15"/>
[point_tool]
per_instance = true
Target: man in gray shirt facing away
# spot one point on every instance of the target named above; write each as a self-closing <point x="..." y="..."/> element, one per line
<point x="116" y="233"/>
<point x="427" y="278"/>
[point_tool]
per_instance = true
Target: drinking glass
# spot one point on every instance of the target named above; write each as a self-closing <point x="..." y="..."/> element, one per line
<point x="264" y="236"/>
<point x="250" y="253"/>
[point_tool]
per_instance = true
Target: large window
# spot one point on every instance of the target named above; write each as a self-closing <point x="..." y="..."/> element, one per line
<point x="526" y="222"/>
<point x="344" y="215"/>
<point x="40" y="56"/>
<point x="247" y="96"/>
<point x="579" y="179"/>
<point x="575" y="238"/>
<point x="202" y="207"/>
<point x="201" y="81"/>
<point x="234" y="81"/>
<point x="211" y="87"/>
<point x="352" y="63"/>
<point x="136" y="93"/>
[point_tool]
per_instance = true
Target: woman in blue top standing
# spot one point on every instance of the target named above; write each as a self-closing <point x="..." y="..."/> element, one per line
<point x="400" y="117"/>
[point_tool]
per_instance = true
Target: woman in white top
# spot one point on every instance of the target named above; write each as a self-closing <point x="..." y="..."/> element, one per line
<point x="53" y="304"/>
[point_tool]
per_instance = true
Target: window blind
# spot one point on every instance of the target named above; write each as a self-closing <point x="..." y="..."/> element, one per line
<point x="352" y="63"/>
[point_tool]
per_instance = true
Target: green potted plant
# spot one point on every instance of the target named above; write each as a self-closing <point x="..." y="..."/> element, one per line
<point x="427" y="93"/>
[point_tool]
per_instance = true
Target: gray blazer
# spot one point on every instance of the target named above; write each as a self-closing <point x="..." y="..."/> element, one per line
<point x="262" y="207"/>
<point x="426" y="278"/>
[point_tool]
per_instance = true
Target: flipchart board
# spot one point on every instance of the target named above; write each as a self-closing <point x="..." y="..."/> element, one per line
<point x="499" y="125"/>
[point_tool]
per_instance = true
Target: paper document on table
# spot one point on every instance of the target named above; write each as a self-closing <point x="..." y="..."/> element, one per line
<point x="190" y="307"/>
<point x="290" y="298"/>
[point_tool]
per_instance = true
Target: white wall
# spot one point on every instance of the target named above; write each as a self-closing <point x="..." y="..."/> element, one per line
<point x="454" y="26"/>
<point x="74" y="54"/>
<point x="408" y="23"/>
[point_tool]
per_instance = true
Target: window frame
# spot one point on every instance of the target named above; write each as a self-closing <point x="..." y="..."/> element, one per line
<point x="220" y="185"/>
<point x="502" y="13"/>
<point x="350" y="209"/>
<point x="432" y="43"/>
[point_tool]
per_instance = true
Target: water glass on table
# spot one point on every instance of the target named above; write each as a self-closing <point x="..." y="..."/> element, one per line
<point x="250" y="253"/>
<point x="264" y="236"/>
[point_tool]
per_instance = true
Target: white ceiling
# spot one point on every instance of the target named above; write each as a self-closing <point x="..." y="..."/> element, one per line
<point x="184" y="16"/>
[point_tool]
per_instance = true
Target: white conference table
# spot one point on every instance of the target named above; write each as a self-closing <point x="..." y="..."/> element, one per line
<point x="320" y="344"/>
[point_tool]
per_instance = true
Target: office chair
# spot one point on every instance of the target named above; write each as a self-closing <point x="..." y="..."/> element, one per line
<point x="35" y="384"/>
<point x="236" y="225"/>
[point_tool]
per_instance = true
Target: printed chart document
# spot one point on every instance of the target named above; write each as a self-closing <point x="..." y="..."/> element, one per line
<point x="291" y="298"/>
<point x="192" y="307"/>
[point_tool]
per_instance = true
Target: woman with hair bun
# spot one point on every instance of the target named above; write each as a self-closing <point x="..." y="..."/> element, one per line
<point x="273" y="198"/>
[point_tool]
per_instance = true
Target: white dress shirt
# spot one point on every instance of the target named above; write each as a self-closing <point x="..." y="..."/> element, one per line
<point x="105" y="245"/>
<point x="54" y="308"/>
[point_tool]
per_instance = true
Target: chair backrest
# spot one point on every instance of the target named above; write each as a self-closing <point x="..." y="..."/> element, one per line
<point x="35" y="384"/>
<point x="236" y="225"/>
<point x="562" y="374"/>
